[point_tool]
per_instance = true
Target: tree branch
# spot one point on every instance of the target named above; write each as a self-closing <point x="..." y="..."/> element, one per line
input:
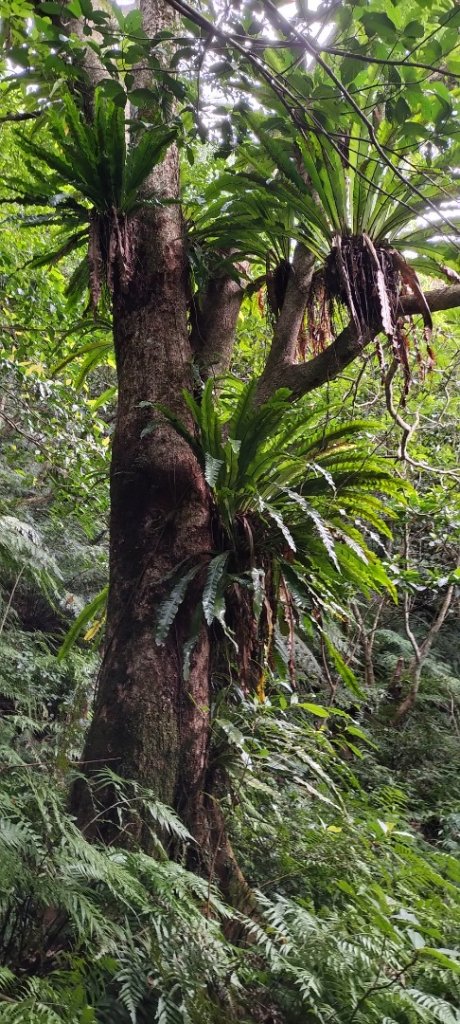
<point x="25" y="116"/>
<point x="214" y="324"/>
<point x="305" y="377"/>
<point x="438" y="299"/>
<point x="290" y="318"/>
<point x="408" y="429"/>
<point x="422" y="650"/>
<point x="282" y="352"/>
<point x="324" y="367"/>
<point x="387" y="61"/>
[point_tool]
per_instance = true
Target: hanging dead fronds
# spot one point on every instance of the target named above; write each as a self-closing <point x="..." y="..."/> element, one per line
<point x="110" y="253"/>
<point x="302" y="340"/>
<point x="410" y="280"/>
<point x="252" y="611"/>
<point x="368" y="278"/>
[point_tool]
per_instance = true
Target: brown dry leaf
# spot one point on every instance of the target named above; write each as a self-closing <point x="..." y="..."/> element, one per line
<point x="385" y="308"/>
<point x="346" y="283"/>
<point x="410" y="278"/>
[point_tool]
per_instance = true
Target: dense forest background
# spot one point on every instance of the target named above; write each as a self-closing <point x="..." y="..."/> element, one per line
<point x="229" y="513"/>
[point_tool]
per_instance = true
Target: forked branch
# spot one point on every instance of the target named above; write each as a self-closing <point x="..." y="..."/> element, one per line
<point x="408" y="429"/>
<point x="349" y="344"/>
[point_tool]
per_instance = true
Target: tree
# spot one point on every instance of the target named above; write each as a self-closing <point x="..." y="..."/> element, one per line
<point x="298" y="168"/>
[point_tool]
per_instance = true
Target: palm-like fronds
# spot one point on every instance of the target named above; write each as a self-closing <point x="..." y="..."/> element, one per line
<point x="94" y="159"/>
<point x="91" y="182"/>
<point x="293" y="501"/>
<point x="334" y="188"/>
<point x="350" y="210"/>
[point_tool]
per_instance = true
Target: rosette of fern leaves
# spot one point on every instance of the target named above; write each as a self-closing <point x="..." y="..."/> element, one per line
<point x="358" y="216"/>
<point x="89" y="181"/>
<point x="296" y="503"/>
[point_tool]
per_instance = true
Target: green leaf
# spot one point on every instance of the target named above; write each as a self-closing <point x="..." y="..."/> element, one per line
<point x="143" y="98"/>
<point x="89" y="612"/>
<point x="413" y="30"/>
<point x="212" y="469"/>
<point x="350" y="68"/>
<point x="133" y="22"/>
<point x="315" y="709"/>
<point x="98" y="348"/>
<point x="214" y="578"/>
<point x="402" y="110"/>
<point x="441" y="956"/>
<point x="276" y="148"/>
<point x="344" y="670"/>
<point x="142" y="158"/>
<point x="378" y="23"/>
<point x="169" y="607"/>
<point x="233" y="733"/>
<point x="113" y="90"/>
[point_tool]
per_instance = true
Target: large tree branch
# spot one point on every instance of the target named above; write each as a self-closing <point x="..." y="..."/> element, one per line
<point x="214" y="324"/>
<point x="305" y="377"/>
<point x="438" y="299"/>
<point x="213" y="333"/>
<point x="290" y="319"/>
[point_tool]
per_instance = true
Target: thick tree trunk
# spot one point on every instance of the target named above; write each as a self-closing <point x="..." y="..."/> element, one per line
<point x="148" y="723"/>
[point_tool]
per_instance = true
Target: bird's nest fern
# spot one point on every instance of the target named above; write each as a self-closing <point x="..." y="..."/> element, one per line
<point x="368" y="279"/>
<point x="91" y="183"/>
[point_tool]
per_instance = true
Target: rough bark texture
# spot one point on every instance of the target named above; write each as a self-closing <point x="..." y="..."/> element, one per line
<point x="214" y="327"/>
<point x="148" y="723"/>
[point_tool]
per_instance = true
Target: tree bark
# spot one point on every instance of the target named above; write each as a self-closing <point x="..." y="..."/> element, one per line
<point x="149" y="724"/>
<point x="302" y="378"/>
<point x="214" y="326"/>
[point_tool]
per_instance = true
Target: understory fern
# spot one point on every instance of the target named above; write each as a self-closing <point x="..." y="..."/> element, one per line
<point x="353" y="921"/>
<point x="100" y="934"/>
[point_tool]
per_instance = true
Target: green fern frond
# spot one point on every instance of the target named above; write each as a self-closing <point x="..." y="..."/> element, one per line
<point x="169" y="607"/>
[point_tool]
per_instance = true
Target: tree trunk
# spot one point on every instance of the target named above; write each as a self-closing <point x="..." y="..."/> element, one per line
<point x="148" y="723"/>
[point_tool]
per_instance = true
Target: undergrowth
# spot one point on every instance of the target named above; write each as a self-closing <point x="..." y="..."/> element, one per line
<point x="354" y="918"/>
